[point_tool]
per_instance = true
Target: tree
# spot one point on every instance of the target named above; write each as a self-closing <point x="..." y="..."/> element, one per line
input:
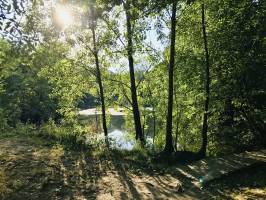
<point x="207" y="85"/>
<point x="10" y="12"/>
<point x="169" y="148"/>
<point x="240" y="34"/>
<point x="93" y="25"/>
<point x="130" y="9"/>
<point x="135" y="106"/>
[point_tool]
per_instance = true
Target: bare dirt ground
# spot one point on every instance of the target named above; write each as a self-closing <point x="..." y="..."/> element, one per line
<point x="33" y="168"/>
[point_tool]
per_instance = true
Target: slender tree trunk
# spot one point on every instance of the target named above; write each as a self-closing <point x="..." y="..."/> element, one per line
<point x="176" y="136"/>
<point x="207" y="88"/>
<point x="96" y="121"/>
<point x="153" y="114"/>
<point x="169" y="147"/>
<point x="143" y="125"/>
<point x="99" y="80"/>
<point x="136" y="114"/>
<point x="176" y="132"/>
<point x="178" y="117"/>
<point x="154" y="124"/>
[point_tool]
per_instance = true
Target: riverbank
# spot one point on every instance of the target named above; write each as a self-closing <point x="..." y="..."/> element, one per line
<point x="34" y="168"/>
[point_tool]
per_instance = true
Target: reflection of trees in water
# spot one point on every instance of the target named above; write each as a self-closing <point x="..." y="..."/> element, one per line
<point x="149" y="122"/>
<point x="120" y="129"/>
<point x="117" y="122"/>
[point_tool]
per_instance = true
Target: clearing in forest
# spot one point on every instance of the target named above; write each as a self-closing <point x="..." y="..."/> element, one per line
<point x="33" y="168"/>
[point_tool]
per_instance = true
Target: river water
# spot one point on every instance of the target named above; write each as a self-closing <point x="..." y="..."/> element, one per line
<point x="120" y="136"/>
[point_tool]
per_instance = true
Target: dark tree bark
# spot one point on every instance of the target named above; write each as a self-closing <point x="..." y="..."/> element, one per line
<point x="207" y="87"/>
<point x="98" y="71"/>
<point x="169" y="147"/>
<point x="136" y="114"/>
<point x="154" y="124"/>
<point x="143" y="125"/>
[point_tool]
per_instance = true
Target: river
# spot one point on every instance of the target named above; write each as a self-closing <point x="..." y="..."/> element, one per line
<point x="119" y="135"/>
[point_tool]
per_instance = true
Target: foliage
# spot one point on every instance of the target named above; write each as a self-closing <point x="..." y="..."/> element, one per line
<point x="45" y="81"/>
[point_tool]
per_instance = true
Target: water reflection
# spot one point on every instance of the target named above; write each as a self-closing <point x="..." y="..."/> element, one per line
<point x="118" y="139"/>
<point x="118" y="134"/>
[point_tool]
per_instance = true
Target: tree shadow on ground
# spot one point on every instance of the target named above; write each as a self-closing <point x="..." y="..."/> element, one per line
<point x="247" y="183"/>
<point x="136" y="183"/>
<point x="156" y="185"/>
<point x="47" y="171"/>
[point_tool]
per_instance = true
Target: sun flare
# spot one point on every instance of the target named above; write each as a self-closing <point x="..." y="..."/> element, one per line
<point x="64" y="16"/>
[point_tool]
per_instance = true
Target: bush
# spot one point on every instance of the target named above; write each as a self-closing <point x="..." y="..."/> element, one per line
<point x="71" y="135"/>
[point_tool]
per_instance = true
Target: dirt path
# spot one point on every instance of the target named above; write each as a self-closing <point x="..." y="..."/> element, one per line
<point x="32" y="168"/>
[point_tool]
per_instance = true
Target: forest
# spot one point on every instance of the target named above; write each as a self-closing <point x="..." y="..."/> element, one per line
<point x="132" y="99"/>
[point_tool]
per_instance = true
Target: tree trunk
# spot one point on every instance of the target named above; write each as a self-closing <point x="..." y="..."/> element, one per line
<point x="176" y="132"/>
<point x="136" y="114"/>
<point x="143" y="125"/>
<point x="99" y="80"/>
<point x="207" y="88"/>
<point x="154" y="125"/>
<point x="169" y="147"/>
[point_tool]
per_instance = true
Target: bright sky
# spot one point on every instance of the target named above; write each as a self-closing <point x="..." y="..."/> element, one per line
<point x="64" y="16"/>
